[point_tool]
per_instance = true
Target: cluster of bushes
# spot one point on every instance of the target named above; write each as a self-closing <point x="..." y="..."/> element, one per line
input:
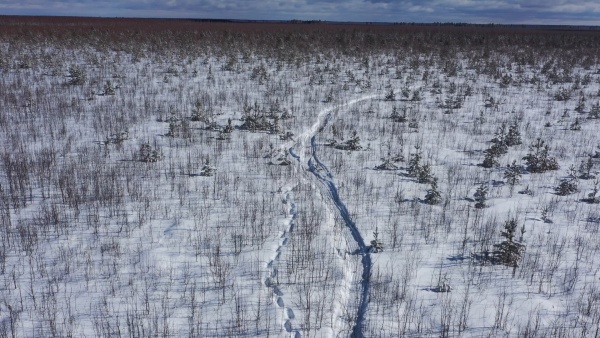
<point x="500" y="143"/>
<point x="257" y="118"/>
<point x="353" y="143"/>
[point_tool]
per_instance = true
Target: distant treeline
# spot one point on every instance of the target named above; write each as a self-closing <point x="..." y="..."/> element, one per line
<point x="291" y="38"/>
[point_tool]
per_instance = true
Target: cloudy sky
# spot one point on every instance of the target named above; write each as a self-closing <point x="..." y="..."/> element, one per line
<point x="571" y="12"/>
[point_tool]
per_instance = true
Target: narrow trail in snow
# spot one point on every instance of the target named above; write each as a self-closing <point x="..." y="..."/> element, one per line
<point x="272" y="280"/>
<point x="324" y="176"/>
<point x="327" y="180"/>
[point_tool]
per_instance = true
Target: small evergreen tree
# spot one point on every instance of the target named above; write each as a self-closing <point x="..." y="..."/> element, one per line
<point x="546" y="215"/>
<point x="498" y="149"/>
<point x="490" y="160"/>
<point x="414" y="124"/>
<point x="481" y="196"/>
<point x="512" y="175"/>
<point x="228" y="128"/>
<point x="424" y="174"/>
<point x="198" y="112"/>
<point x="500" y="135"/>
<point x="354" y="142"/>
<point x="223" y="136"/>
<point x="108" y="88"/>
<point x="433" y="196"/>
<point x="390" y="96"/>
<point x="414" y="163"/>
<point x="76" y="75"/>
<point x="117" y="138"/>
<point x="148" y="154"/>
<point x="580" y="108"/>
<point x="207" y="169"/>
<point x="572" y="172"/>
<point x="275" y="127"/>
<point x="386" y="165"/>
<point x="513" y="137"/>
<point x="396" y="117"/>
<point x="576" y="125"/>
<point x="173" y="128"/>
<point x="416" y="96"/>
<point x="538" y="160"/>
<point x="585" y="169"/>
<point x="406" y="93"/>
<point x="562" y="95"/>
<point x="376" y="245"/>
<point x="566" y="187"/>
<point x="509" y="251"/>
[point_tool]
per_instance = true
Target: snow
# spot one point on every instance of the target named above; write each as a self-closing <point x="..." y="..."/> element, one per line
<point x="95" y="242"/>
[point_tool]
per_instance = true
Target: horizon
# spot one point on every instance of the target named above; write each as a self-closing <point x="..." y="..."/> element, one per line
<point x="502" y="12"/>
<point x="309" y="21"/>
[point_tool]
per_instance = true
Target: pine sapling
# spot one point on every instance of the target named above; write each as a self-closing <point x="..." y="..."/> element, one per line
<point x="481" y="196"/>
<point x="390" y="96"/>
<point x="108" y="88"/>
<point x="414" y="163"/>
<point x="538" y="160"/>
<point x="424" y="174"/>
<point x="566" y="187"/>
<point x="433" y="196"/>
<point x="585" y="169"/>
<point x="376" y="244"/>
<point x="207" y="169"/>
<point x="148" y="154"/>
<point x="576" y="125"/>
<point x="545" y="215"/>
<point x="512" y="175"/>
<point x="513" y="137"/>
<point x="490" y="160"/>
<point x="509" y="251"/>
<point x="396" y="117"/>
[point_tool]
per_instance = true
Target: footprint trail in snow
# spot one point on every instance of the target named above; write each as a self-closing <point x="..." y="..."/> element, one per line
<point x="271" y="280"/>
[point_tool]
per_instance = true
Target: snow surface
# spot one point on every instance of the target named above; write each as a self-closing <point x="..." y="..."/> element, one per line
<point x="97" y="243"/>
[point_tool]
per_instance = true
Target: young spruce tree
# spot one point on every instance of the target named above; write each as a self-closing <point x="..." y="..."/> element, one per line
<point x="433" y="196"/>
<point x="509" y="251"/>
<point x="481" y="196"/>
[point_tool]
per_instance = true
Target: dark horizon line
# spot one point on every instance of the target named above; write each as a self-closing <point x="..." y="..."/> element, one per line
<point x="317" y="21"/>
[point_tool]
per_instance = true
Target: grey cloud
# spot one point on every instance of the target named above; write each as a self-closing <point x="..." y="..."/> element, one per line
<point x="476" y="11"/>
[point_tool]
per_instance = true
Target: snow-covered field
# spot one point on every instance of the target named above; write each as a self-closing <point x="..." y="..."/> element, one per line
<point x="237" y="183"/>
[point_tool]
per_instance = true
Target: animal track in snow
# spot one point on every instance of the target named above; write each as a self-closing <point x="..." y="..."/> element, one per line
<point x="271" y="279"/>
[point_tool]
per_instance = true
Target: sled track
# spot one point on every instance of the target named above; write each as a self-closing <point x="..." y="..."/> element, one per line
<point x="324" y="176"/>
<point x="363" y="250"/>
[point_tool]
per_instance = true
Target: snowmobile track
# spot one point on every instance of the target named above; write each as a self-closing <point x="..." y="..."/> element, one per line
<point x="324" y="176"/>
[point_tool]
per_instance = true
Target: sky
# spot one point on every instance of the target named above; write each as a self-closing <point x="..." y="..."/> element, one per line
<point x="561" y="12"/>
